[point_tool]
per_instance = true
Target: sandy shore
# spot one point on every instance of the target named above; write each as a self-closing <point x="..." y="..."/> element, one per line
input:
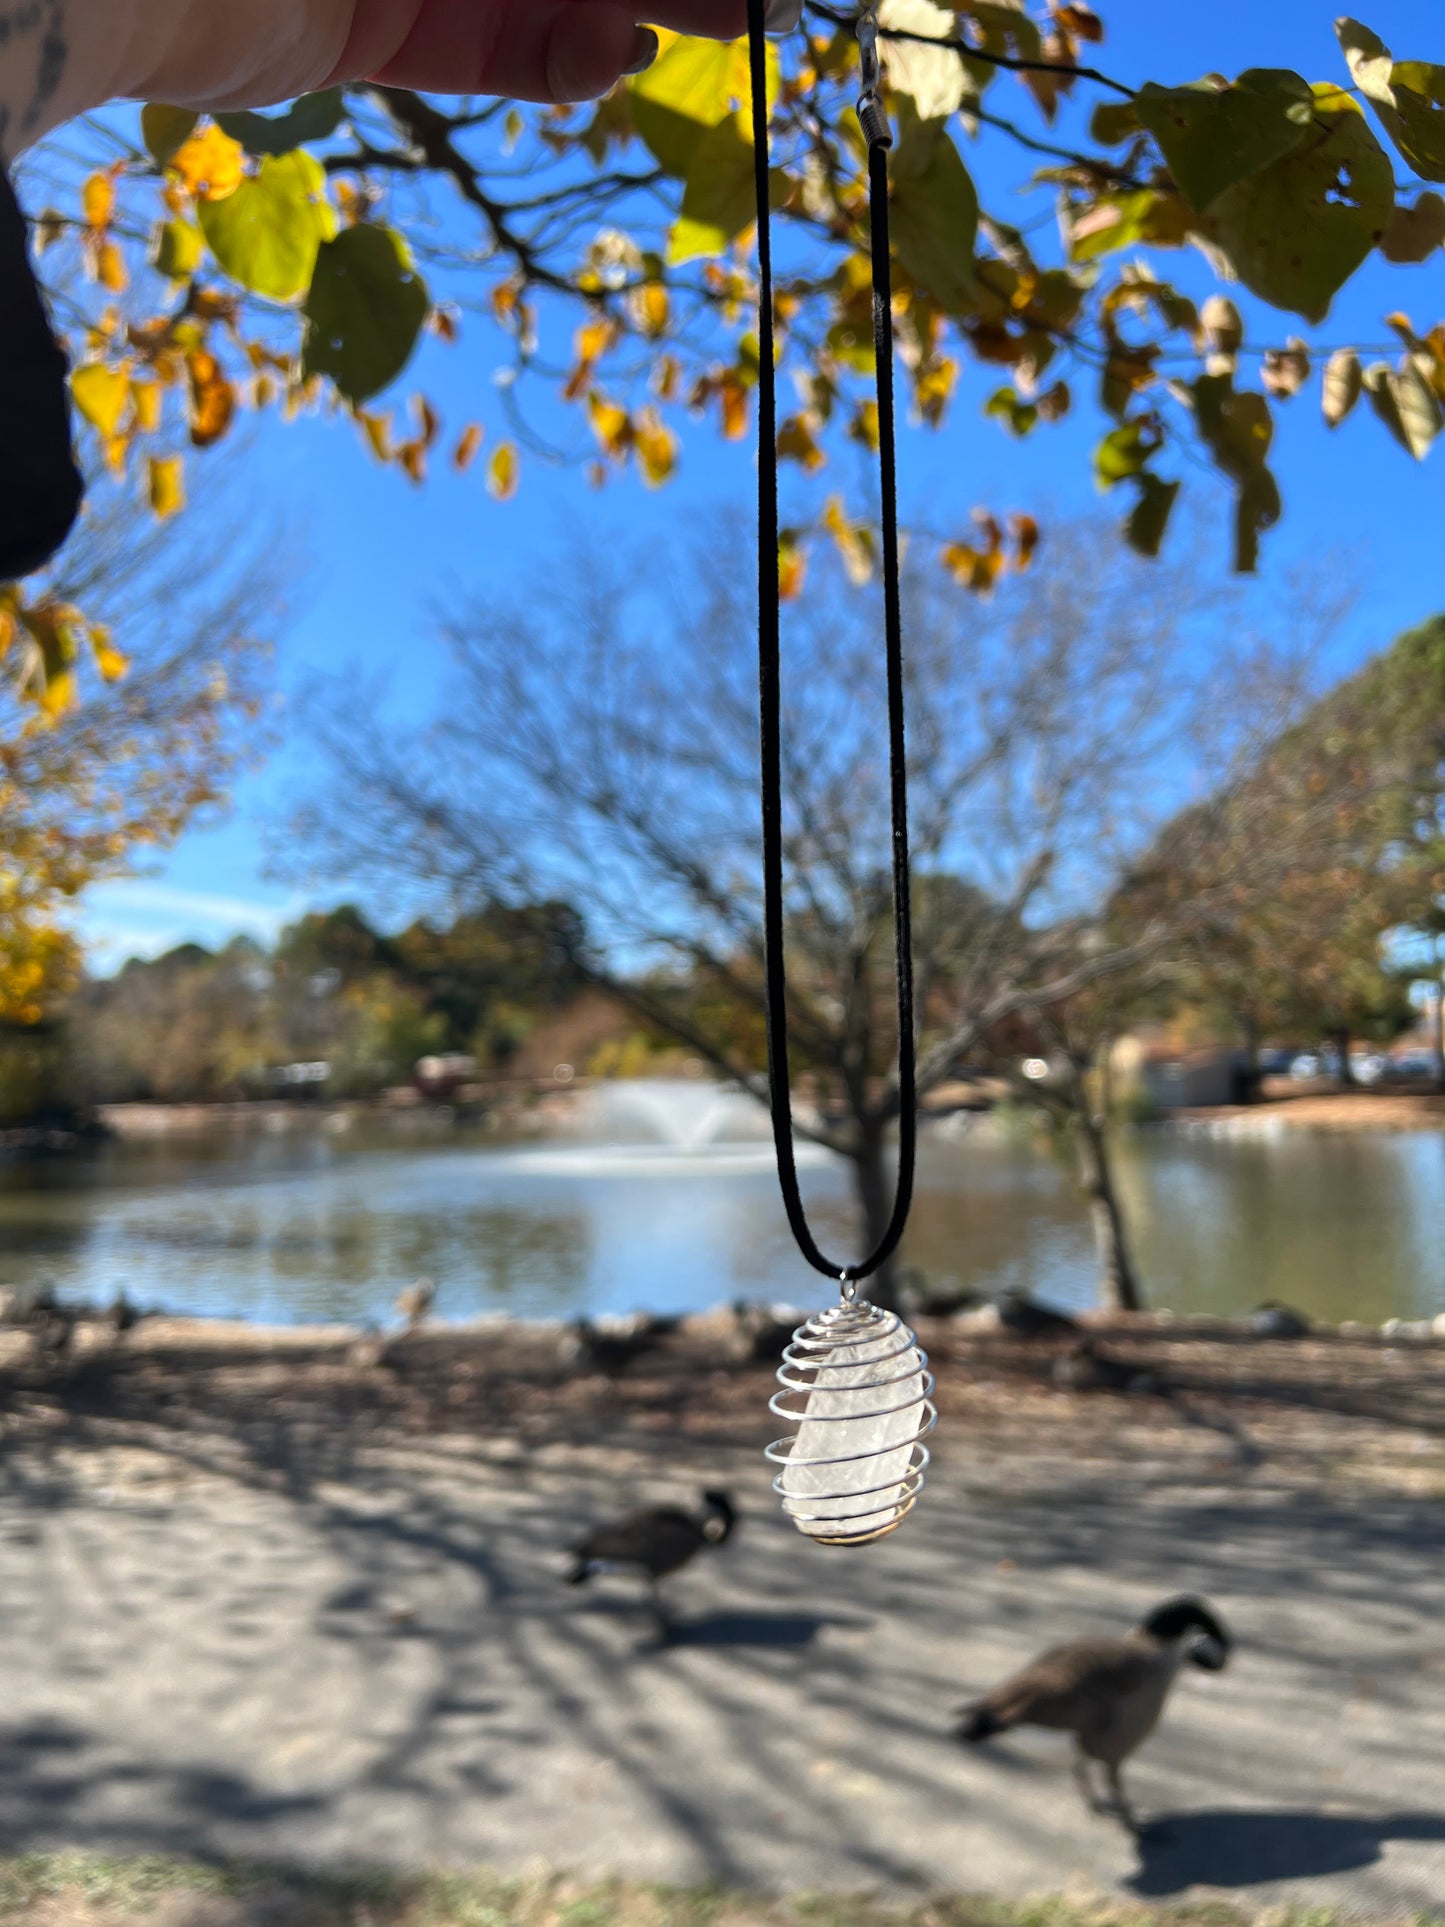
<point x="268" y="1599"/>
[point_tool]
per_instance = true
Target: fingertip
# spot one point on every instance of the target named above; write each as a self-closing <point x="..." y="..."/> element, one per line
<point x="589" y="48"/>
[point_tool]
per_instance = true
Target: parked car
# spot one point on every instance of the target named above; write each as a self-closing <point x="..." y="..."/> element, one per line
<point x="1413" y="1063"/>
<point x="1368" y="1066"/>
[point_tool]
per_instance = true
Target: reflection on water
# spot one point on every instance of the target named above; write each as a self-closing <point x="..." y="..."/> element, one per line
<point x="317" y="1225"/>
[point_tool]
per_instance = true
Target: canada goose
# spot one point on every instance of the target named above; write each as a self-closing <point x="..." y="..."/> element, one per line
<point x="763" y="1331"/>
<point x="122" y="1315"/>
<point x="1273" y="1320"/>
<point x="1109" y="1693"/>
<point x="917" y="1298"/>
<point x="1022" y="1318"/>
<point x="52" y="1325"/>
<point x="415" y="1303"/>
<point x="611" y="1344"/>
<point x="1084" y="1367"/>
<point x="653" y="1543"/>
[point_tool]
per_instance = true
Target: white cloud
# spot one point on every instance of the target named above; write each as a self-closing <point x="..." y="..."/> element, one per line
<point x="136" y="917"/>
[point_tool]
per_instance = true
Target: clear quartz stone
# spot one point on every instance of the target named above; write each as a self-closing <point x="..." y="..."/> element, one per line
<point x="863" y="1496"/>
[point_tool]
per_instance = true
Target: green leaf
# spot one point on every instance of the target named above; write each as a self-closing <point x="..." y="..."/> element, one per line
<point x="1406" y="404"/>
<point x="1415" y="232"/>
<point x="164" y="129"/>
<point x="266" y="234"/>
<point x="1213" y="137"/>
<point x="689" y="89"/>
<point x="718" y="200"/>
<point x="1408" y="96"/>
<point x="176" y="249"/>
<point x="311" y="118"/>
<point x="1417" y="126"/>
<point x="1146" y="522"/>
<point x="1237" y="428"/>
<point x="1297" y="230"/>
<point x="1123" y="453"/>
<point x="1112" y="122"/>
<point x="933" y="212"/>
<point x="364" y="312"/>
<point x="1125" y="220"/>
<point x="1017" y="416"/>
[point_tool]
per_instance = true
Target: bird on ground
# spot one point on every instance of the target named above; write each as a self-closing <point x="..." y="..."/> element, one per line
<point x="763" y="1332"/>
<point x="1108" y="1693"/>
<point x="654" y="1543"/>
<point x="1274" y="1320"/>
<point x="122" y="1315"/>
<point x="51" y="1325"/>
<point x="415" y="1303"/>
<point x="1086" y="1367"/>
<point x="611" y="1344"/>
<point x="919" y="1297"/>
<point x="1022" y="1318"/>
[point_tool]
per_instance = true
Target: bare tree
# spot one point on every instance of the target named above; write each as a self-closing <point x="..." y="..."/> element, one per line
<point x="599" y="745"/>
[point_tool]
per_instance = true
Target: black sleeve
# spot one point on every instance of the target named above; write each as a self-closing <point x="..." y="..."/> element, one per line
<point x="40" y="486"/>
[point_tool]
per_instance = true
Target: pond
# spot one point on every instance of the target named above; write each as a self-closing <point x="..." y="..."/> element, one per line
<point x="322" y="1223"/>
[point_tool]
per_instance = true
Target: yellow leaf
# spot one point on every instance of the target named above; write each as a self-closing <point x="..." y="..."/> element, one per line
<point x="595" y="337"/>
<point x="167" y="485"/>
<point x="651" y="308"/>
<point x="864" y="425"/>
<point x="145" y="405"/>
<point x="853" y="540"/>
<point x="502" y="471"/>
<point x="110" y="661"/>
<point x="412" y="456"/>
<point x="467" y="445"/>
<point x="100" y="394"/>
<point x="1025" y="531"/>
<point x="656" y="448"/>
<point x="110" y="269"/>
<point x="611" y="424"/>
<point x="209" y="163"/>
<point x="792" y="568"/>
<point x="97" y="200"/>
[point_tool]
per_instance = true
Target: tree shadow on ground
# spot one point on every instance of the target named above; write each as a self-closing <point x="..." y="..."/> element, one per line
<point x="1224" y="1848"/>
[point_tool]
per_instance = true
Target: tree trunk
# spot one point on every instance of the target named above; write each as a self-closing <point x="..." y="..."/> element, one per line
<point x="1341" y="1041"/>
<point x="1252" y="1079"/>
<point x="1118" y="1282"/>
<point x="874" y="1181"/>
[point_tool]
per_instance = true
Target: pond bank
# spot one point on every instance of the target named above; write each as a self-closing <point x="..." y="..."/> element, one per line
<point x="271" y="1599"/>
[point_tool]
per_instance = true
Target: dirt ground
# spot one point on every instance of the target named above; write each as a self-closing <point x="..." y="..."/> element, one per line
<point x="265" y="1598"/>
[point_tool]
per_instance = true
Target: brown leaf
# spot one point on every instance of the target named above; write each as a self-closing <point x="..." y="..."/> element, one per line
<point x="469" y="441"/>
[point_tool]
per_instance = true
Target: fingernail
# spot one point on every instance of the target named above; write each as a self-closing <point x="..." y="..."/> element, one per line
<point x="644" y="51"/>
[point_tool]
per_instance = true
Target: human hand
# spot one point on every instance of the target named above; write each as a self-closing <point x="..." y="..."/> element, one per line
<point x="63" y="57"/>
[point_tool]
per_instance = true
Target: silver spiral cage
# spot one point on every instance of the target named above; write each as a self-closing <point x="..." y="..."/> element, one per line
<point x="856" y="1383"/>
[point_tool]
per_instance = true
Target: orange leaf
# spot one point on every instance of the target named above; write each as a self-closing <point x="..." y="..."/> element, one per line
<point x="468" y="443"/>
<point x="97" y="200"/>
<point x="209" y="163"/>
<point x="110" y="268"/>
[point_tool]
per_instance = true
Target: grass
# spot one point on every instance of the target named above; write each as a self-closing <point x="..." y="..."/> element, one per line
<point x="96" y="1890"/>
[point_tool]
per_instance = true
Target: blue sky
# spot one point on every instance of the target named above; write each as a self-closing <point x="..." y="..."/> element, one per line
<point x="382" y="555"/>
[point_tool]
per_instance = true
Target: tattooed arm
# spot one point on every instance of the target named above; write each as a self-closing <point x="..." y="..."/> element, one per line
<point x="62" y="57"/>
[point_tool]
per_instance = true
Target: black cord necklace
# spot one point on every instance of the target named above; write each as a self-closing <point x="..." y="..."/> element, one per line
<point x="876" y="132"/>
